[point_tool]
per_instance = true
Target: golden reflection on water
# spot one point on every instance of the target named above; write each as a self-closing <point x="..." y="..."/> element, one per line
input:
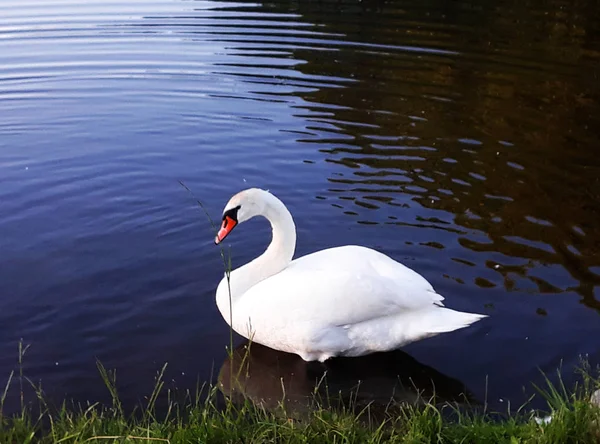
<point x="486" y="121"/>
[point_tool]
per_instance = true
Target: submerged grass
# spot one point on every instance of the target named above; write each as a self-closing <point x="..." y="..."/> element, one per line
<point x="204" y="416"/>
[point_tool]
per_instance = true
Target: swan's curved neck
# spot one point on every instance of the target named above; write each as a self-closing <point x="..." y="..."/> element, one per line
<point x="276" y="257"/>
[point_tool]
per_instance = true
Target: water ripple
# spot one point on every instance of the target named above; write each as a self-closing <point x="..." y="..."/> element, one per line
<point x="443" y="135"/>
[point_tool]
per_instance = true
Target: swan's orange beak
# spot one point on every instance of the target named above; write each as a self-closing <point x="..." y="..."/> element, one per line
<point x="228" y="224"/>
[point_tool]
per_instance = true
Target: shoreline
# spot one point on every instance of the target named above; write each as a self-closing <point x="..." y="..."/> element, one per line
<point x="218" y="414"/>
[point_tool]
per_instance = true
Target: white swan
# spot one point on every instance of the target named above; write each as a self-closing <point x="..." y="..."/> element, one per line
<point x="344" y="301"/>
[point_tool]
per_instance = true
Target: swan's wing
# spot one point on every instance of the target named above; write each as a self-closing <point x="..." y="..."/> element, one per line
<point x="340" y="287"/>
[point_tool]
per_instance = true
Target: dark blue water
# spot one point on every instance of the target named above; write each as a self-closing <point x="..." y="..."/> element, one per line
<point x="459" y="139"/>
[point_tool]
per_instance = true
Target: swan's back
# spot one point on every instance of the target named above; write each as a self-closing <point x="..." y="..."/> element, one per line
<point x="357" y="259"/>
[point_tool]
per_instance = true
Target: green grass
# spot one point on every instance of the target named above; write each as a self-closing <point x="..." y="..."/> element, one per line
<point x="203" y="417"/>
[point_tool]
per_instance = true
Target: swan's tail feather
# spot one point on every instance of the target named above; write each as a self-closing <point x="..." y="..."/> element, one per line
<point x="432" y="322"/>
<point x="444" y="320"/>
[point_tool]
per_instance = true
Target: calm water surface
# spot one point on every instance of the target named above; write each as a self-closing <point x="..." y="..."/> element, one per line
<point x="461" y="139"/>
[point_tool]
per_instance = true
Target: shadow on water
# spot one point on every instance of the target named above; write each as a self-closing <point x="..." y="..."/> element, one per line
<point x="270" y="379"/>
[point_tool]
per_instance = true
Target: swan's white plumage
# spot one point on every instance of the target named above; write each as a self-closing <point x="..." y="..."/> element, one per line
<point x="344" y="301"/>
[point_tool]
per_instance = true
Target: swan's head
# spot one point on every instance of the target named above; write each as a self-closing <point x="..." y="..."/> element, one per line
<point x="241" y="207"/>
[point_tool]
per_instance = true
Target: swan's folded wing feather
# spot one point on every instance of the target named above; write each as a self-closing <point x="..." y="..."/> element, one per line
<point x="340" y="295"/>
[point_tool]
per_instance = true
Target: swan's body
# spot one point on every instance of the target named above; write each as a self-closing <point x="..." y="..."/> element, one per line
<point x="344" y="301"/>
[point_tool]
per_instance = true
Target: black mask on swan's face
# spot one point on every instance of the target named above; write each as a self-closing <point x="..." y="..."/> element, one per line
<point x="230" y="220"/>
<point x="243" y="206"/>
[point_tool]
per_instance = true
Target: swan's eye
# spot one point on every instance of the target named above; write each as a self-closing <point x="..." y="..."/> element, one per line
<point x="232" y="213"/>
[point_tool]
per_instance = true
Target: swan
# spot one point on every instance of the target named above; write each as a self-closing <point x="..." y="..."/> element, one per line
<point x="342" y="301"/>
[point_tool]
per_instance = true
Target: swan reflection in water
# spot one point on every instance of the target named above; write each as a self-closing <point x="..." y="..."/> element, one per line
<point x="269" y="378"/>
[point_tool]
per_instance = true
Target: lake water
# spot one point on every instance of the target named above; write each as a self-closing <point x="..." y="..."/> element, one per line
<point x="461" y="139"/>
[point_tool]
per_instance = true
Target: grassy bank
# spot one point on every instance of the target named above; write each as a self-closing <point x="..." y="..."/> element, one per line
<point x="201" y="418"/>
